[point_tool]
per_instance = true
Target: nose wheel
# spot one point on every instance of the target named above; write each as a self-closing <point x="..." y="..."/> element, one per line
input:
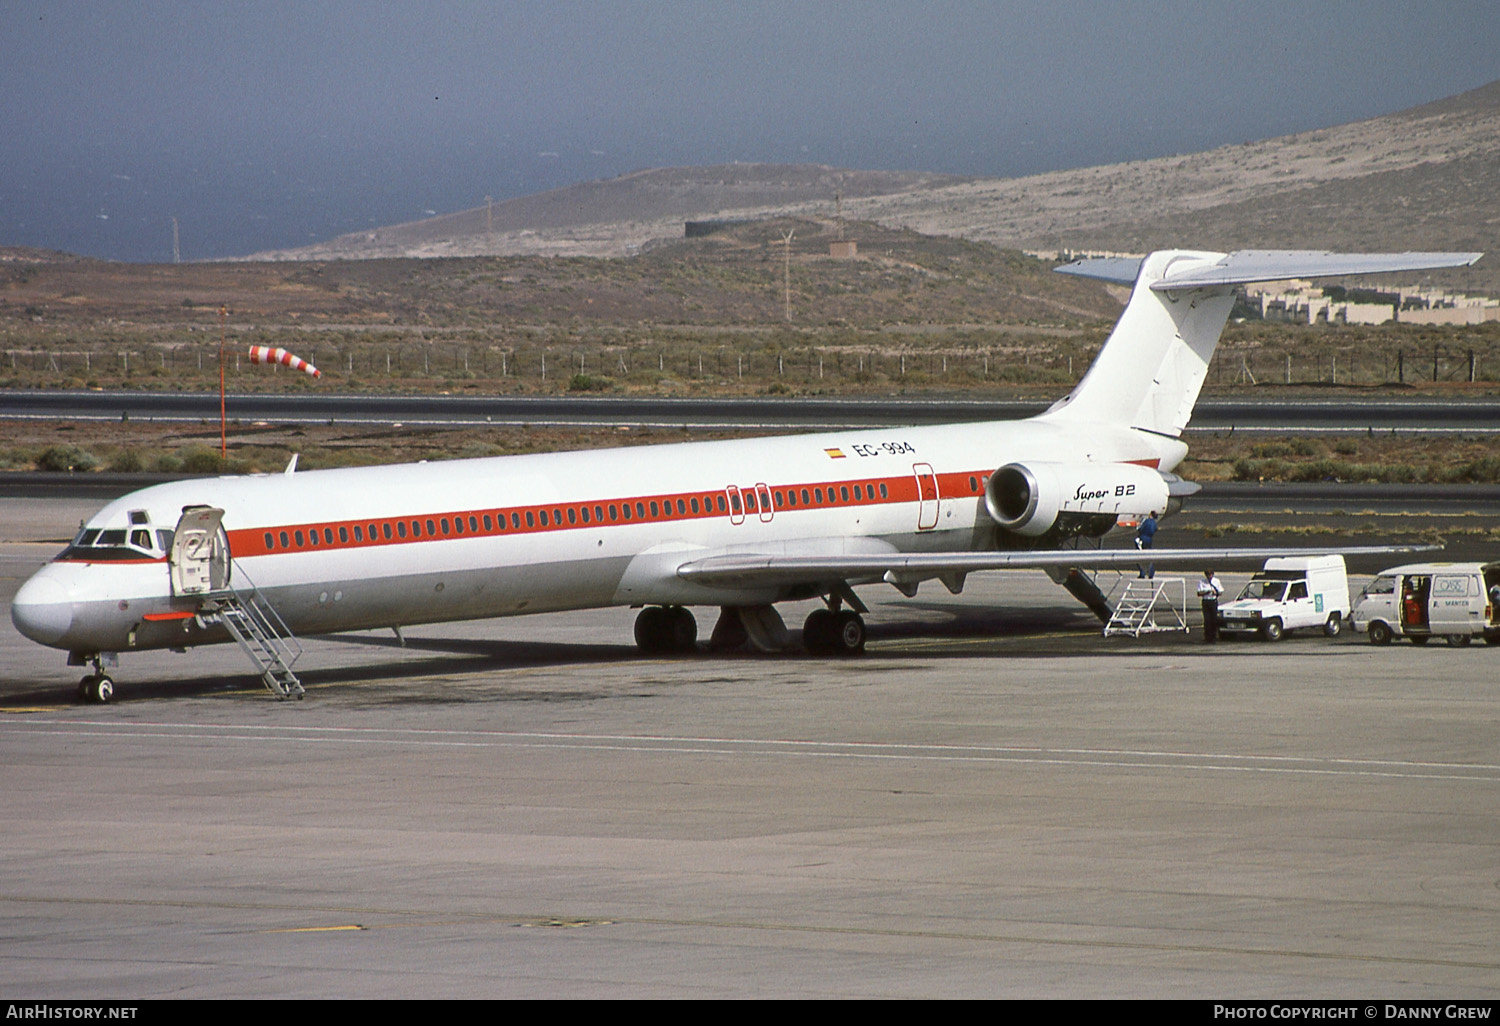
<point x="97" y="688"/>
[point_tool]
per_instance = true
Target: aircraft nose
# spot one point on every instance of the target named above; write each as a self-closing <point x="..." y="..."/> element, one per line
<point x="42" y="610"/>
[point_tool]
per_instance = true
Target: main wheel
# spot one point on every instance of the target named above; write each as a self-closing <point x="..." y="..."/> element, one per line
<point x="681" y="633"/>
<point x="849" y="633"/>
<point x="649" y="632"/>
<point x="1378" y="632"/>
<point x="1271" y="630"/>
<point x="1335" y="625"/>
<point x="818" y="632"/>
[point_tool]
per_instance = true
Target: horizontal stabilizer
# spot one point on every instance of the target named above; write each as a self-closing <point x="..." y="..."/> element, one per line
<point x="1249" y="265"/>
<point x="747" y="570"/>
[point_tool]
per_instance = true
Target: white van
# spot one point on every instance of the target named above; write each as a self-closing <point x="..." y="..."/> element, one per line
<point x="1291" y="592"/>
<point x="1425" y="600"/>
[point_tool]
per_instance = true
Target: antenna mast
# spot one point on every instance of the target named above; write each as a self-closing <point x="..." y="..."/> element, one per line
<point x="786" y="248"/>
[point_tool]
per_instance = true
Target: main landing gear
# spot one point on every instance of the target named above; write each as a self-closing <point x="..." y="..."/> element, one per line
<point x="835" y="632"/>
<point x="98" y="686"/>
<point x="664" y="630"/>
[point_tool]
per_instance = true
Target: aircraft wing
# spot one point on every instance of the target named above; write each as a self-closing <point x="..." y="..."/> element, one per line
<point x="753" y="570"/>
<point x="1249" y="265"/>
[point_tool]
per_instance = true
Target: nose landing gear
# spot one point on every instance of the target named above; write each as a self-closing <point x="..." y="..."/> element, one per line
<point x="98" y="686"/>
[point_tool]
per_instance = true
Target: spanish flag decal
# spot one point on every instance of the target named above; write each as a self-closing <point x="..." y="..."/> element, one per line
<point x="835" y="454"/>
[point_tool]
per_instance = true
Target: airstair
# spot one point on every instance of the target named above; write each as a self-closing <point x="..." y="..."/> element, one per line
<point x="261" y="633"/>
<point x="1147" y="606"/>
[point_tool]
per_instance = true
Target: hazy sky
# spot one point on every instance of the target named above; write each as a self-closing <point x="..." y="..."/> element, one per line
<point x="278" y="124"/>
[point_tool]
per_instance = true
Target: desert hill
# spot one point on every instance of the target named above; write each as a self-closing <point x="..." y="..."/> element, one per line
<point x="616" y="215"/>
<point x="1428" y="177"/>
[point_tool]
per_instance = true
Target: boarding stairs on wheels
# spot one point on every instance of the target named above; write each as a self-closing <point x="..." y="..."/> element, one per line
<point x="1147" y="606"/>
<point x="261" y="633"/>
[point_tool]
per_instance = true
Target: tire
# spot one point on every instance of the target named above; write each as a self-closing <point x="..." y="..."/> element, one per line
<point x="1420" y="639"/>
<point x="849" y="633"/>
<point x="103" y="690"/>
<point x="818" y="632"/>
<point x="1335" y="625"/>
<point x="1378" y="632"/>
<point x="1458" y="640"/>
<point x="681" y="629"/>
<point x="649" y="630"/>
<point x="1271" y="630"/>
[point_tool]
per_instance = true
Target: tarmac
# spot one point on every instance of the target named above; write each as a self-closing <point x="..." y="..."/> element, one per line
<point x="995" y="801"/>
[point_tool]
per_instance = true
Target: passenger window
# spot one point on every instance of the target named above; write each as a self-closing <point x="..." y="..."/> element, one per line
<point x="312" y="537"/>
<point x="430" y="529"/>
<point x="489" y="525"/>
<point x="599" y="514"/>
<point x="749" y="502"/>
<point x="640" y="511"/>
<point x="515" y="520"/>
<point x="298" y="536"/>
<point x="474" y="524"/>
<point x="818" y="494"/>
<point x="270" y="542"/>
<point x="627" y="509"/>
<point x="613" y="512"/>
<point x="804" y="497"/>
<point x="443" y="523"/>
<point x="858" y="494"/>
<point x="585" y="514"/>
<point x="385" y="529"/>
<point x="543" y="516"/>
<point x="734" y="503"/>
<point x="572" y="515"/>
<point x="883" y="492"/>
<point x="285" y="541"/>
<point x="654" y="511"/>
<point x="344" y="535"/>
<point x="721" y="504"/>
<point x="328" y="535"/>
<point x="400" y="528"/>
<point x="695" y="504"/>
<point x="458" y="525"/>
<point x="844" y="493"/>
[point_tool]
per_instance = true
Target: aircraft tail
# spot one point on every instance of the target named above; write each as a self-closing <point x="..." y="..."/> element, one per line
<point x="1151" y="369"/>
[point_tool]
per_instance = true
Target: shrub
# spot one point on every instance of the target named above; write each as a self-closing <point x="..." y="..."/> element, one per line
<point x="66" y="458"/>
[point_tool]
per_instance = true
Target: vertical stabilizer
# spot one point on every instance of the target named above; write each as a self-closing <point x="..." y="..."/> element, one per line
<point x="1150" y="371"/>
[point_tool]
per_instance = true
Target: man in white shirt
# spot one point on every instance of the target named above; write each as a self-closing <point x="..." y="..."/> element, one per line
<point x="1209" y="590"/>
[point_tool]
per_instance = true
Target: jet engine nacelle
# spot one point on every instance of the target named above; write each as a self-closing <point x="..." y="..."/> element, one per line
<point x="1077" y="498"/>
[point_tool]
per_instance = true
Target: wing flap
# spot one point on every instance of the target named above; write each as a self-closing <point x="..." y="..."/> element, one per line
<point x="751" y="570"/>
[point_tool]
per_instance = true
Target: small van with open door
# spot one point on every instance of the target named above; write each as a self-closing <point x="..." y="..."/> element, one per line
<point x="1421" y="601"/>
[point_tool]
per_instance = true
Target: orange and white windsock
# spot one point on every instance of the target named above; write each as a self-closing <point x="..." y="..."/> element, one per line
<point x="265" y="354"/>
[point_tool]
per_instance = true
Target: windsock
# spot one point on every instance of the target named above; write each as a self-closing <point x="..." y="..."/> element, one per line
<point x="265" y="354"/>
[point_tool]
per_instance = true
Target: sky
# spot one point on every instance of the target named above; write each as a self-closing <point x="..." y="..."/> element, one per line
<point x="275" y="124"/>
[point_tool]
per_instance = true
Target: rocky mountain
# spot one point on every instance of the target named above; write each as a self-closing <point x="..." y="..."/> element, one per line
<point x="1425" y="178"/>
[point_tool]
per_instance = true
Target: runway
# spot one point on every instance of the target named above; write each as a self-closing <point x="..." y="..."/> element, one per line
<point x="1440" y="415"/>
<point x="996" y="802"/>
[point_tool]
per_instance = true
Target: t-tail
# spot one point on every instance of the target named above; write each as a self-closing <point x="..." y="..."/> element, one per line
<point x="1149" y="372"/>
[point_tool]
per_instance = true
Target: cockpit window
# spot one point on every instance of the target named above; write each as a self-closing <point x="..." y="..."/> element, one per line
<point x="114" y="545"/>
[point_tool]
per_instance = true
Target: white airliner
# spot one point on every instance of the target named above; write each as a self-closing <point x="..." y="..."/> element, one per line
<point x="740" y="525"/>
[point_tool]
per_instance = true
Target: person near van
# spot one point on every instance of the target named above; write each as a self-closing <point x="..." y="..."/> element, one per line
<point x="1145" y="536"/>
<point x="1495" y="602"/>
<point x="1209" y="590"/>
